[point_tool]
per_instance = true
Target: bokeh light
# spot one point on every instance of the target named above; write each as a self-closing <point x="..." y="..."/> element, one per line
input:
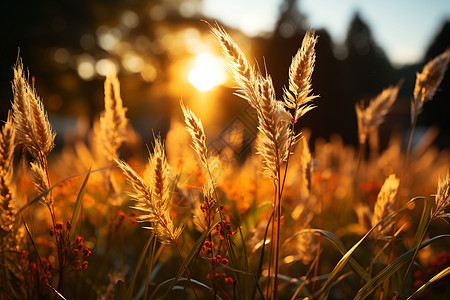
<point x="86" y="66"/>
<point x="105" y="66"/>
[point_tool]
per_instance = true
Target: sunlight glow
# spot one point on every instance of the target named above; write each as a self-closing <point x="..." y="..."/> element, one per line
<point x="208" y="72"/>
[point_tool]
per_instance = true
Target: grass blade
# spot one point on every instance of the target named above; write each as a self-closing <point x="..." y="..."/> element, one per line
<point x="261" y="258"/>
<point x="76" y="215"/>
<point x="435" y="278"/>
<point x="193" y="253"/>
<point x="387" y="272"/>
<point x="343" y="262"/>
<point x="130" y="289"/>
<point x="150" y="268"/>
<point x="336" y="241"/>
<point x="38" y="197"/>
<point x="426" y="215"/>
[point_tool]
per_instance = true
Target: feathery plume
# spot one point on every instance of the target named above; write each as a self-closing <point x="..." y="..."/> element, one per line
<point x="297" y="96"/>
<point x="243" y="73"/>
<point x="159" y="174"/>
<point x="21" y="107"/>
<point x="113" y="121"/>
<point x="7" y="211"/>
<point x="442" y="198"/>
<point x="372" y="116"/>
<point x="43" y="131"/>
<point x="428" y="81"/>
<point x="385" y="204"/>
<point x="7" y="145"/>
<point x="41" y="181"/>
<point x="274" y="119"/>
<point x="30" y="119"/>
<point x="153" y="198"/>
<point x="274" y="125"/>
<point x="195" y="128"/>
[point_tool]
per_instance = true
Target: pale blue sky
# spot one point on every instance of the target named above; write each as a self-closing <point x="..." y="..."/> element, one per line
<point x="403" y="28"/>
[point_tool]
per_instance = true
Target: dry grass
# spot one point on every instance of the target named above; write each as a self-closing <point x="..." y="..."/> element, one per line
<point x="7" y="199"/>
<point x="427" y="82"/>
<point x="384" y="206"/>
<point x="371" y="117"/>
<point x="298" y="97"/>
<point x="246" y="230"/>
<point x="33" y="130"/>
<point x="152" y="198"/>
<point x="113" y="122"/>
<point x="442" y="198"/>
<point x="195" y="128"/>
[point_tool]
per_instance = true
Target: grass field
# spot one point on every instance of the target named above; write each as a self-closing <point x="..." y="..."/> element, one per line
<point x="187" y="222"/>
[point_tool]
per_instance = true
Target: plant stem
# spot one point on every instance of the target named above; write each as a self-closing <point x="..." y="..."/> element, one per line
<point x="151" y="258"/>
<point x="185" y="269"/>
<point x="271" y="249"/>
<point x="278" y="223"/>
<point x="408" y="147"/>
<point x="100" y="265"/>
<point x="316" y="266"/>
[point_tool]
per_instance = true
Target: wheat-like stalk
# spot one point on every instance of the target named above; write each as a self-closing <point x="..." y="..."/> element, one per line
<point x="385" y="204"/>
<point x="113" y="122"/>
<point x="41" y="181"/>
<point x="274" y="126"/>
<point x="274" y="121"/>
<point x="153" y="198"/>
<point x="427" y="82"/>
<point x="7" y="209"/>
<point x="372" y="116"/>
<point x="243" y="73"/>
<point x="442" y="198"/>
<point x="297" y="96"/>
<point x="21" y="110"/>
<point x="33" y="131"/>
<point x="7" y="145"/>
<point x="159" y="174"/>
<point x="195" y="128"/>
<point x="30" y="119"/>
<point x="43" y="131"/>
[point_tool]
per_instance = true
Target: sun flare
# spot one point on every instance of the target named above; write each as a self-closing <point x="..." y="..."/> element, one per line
<point x="208" y="72"/>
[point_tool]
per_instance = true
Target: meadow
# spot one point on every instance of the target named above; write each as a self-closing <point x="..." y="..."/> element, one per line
<point x="101" y="220"/>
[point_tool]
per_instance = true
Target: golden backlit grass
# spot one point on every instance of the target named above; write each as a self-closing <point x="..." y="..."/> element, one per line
<point x="285" y="223"/>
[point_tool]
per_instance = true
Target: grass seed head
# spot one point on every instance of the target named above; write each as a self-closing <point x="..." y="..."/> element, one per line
<point x="297" y="96"/>
<point x="385" y="203"/>
<point x="243" y="73"/>
<point x="195" y="128"/>
<point x="113" y="122"/>
<point x="442" y="198"/>
<point x="153" y="198"/>
<point x="371" y="117"/>
<point x="428" y="81"/>
<point x="31" y="123"/>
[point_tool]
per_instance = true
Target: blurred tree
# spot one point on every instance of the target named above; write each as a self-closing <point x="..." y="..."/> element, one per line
<point x="367" y="68"/>
<point x="65" y="43"/>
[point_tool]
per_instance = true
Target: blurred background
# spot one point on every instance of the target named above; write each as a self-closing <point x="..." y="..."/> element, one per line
<point x="163" y="52"/>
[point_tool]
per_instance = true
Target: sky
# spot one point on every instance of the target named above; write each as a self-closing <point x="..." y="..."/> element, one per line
<point x="403" y="28"/>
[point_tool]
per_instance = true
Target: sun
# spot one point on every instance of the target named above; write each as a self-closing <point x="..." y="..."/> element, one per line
<point x="208" y="72"/>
